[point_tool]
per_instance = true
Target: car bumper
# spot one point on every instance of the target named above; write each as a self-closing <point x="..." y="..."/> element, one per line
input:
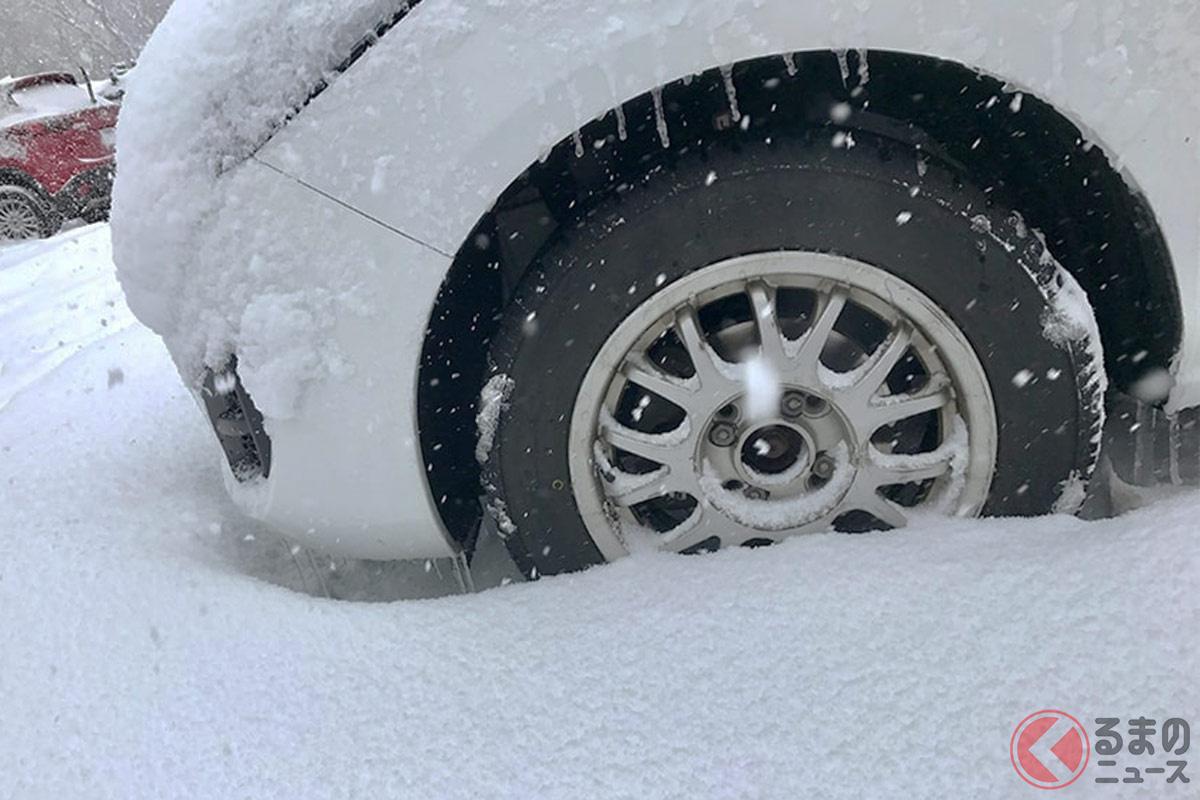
<point x="332" y="460"/>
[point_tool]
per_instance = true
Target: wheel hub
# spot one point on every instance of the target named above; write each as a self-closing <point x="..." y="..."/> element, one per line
<point x="774" y="450"/>
<point x="874" y="403"/>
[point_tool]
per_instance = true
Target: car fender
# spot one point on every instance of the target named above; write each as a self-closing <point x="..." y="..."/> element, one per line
<point x="346" y="470"/>
<point x="430" y="126"/>
<point x="349" y="211"/>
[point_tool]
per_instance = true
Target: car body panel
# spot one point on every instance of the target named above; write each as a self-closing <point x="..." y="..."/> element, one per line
<point x="61" y="144"/>
<point x="468" y="106"/>
<point x="346" y="472"/>
<point x="53" y="150"/>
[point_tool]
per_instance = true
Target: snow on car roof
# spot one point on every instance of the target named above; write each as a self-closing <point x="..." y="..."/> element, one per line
<point x="37" y="96"/>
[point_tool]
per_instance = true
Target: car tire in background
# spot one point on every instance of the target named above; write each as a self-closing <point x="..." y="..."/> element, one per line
<point x="660" y="361"/>
<point x="21" y="216"/>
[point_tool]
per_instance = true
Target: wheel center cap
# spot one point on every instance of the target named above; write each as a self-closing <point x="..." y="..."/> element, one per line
<point x="774" y="451"/>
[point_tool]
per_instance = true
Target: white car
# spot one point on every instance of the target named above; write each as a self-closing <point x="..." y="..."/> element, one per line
<point x="684" y="274"/>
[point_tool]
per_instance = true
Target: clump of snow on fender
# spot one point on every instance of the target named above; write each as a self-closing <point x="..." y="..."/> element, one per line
<point x="492" y="398"/>
<point x="205" y="95"/>
<point x="277" y="354"/>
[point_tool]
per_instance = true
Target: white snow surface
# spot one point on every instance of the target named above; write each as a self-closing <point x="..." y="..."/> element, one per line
<point x="149" y="651"/>
<point x="64" y="293"/>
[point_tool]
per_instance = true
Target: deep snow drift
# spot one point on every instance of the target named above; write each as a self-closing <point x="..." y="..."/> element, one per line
<point x="143" y="655"/>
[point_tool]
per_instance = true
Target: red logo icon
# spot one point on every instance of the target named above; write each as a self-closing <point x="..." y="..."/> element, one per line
<point x="1049" y="749"/>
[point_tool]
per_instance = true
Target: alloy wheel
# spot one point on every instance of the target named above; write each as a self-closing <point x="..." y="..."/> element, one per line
<point x="18" y="218"/>
<point x="775" y="394"/>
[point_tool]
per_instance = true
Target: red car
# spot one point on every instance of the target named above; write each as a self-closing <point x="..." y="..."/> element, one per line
<point x="56" y="154"/>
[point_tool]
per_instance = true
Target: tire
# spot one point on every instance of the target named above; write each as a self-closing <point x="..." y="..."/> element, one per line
<point x="93" y="215"/>
<point x="982" y="293"/>
<point x="21" y="217"/>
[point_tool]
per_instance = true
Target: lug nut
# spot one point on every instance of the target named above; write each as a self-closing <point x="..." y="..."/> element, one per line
<point x="755" y="493"/>
<point x="722" y="434"/>
<point x="792" y="404"/>
<point x="823" y="468"/>
<point x="815" y="406"/>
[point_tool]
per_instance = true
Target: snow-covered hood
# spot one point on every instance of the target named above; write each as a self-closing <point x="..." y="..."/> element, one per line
<point x="214" y="81"/>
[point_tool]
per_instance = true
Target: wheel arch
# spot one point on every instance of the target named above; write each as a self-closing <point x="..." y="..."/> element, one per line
<point x="1020" y="149"/>
<point x="10" y="176"/>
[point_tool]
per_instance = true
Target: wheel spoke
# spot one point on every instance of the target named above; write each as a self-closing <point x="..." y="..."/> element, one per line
<point x="661" y="448"/>
<point x="888" y="410"/>
<point x="883" y="361"/>
<point x="740" y="534"/>
<point x="888" y="470"/>
<point x="763" y="299"/>
<point x="704" y="523"/>
<point x="707" y="522"/>
<point x="639" y="370"/>
<point x="810" y="346"/>
<point x="705" y="361"/>
<point x="629" y="489"/>
<point x="883" y="510"/>
<point x="693" y="530"/>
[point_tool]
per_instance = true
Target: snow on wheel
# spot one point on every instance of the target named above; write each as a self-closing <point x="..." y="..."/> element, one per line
<point x="811" y="342"/>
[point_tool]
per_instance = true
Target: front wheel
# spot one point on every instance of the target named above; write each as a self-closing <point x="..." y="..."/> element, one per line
<point x="783" y="341"/>
<point x="737" y="407"/>
<point x="21" y="217"/>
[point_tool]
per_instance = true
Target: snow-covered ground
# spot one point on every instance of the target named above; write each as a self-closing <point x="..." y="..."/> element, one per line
<point x="156" y="644"/>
